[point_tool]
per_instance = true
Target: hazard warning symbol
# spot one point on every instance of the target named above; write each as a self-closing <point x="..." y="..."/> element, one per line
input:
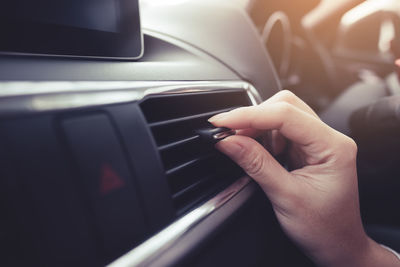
<point x="109" y="179"/>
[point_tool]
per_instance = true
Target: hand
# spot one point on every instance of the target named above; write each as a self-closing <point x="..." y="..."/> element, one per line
<point x="317" y="202"/>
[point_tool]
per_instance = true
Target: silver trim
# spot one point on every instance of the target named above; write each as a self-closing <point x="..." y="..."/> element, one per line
<point x="145" y="253"/>
<point x="18" y="98"/>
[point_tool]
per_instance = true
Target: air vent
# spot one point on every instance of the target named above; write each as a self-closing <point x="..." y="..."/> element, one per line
<point x="194" y="170"/>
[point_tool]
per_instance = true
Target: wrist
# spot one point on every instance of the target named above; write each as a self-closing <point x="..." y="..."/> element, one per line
<point x="381" y="256"/>
<point x="369" y="254"/>
<point x="352" y="252"/>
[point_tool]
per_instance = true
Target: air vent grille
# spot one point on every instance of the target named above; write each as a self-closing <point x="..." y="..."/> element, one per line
<point x="194" y="170"/>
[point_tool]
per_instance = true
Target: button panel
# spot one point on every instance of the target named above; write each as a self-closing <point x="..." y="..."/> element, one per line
<point x="108" y="181"/>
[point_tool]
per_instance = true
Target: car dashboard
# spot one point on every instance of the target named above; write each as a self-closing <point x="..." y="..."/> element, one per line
<point x="101" y="164"/>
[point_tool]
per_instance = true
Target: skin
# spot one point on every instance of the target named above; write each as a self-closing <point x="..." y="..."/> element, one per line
<point x="316" y="202"/>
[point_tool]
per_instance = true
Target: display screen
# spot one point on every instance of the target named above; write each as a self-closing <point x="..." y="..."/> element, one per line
<point x="102" y="15"/>
<point x="88" y="28"/>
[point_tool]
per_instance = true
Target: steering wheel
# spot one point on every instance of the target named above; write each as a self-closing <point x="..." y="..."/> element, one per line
<point x="286" y="51"/>
<point x="277" y="37"/>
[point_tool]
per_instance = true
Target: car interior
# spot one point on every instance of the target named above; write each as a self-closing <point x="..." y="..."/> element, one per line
<point x="147" y="187"/>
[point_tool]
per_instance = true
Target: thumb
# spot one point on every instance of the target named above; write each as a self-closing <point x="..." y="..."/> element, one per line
<point x="256" y="162"/>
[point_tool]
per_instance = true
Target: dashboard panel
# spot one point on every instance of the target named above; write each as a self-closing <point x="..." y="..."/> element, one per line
<point x="86" y="176"/>
<point x="92" y="169"/>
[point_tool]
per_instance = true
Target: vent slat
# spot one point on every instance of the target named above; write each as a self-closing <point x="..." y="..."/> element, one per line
<point x="188" y="118"/>
<point x="178" y="143"/>
<point x="188" y="164"/>
<point x="192" y="187"/>
<point x="194" y="170"/>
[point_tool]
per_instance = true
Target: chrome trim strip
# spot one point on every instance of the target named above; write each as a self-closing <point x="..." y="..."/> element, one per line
<point x="27" y="97"/>
<point x="26" y="88"/>
<point x="145" y="253"/>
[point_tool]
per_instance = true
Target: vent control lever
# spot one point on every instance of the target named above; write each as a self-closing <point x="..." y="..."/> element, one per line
<point x="214" y="135"/>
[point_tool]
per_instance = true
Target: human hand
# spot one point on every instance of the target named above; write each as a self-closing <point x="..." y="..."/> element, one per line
<point x="317" y="202"/>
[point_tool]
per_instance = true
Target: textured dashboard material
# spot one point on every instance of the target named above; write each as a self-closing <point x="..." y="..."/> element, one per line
<point x="162" y="61"/>
<point x="219" y="28"/>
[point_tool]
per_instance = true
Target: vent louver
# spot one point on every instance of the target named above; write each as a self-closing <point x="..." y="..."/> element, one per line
<point x="194" y="170"/>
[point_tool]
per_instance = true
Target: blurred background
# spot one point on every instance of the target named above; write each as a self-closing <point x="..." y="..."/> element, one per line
<point x="339" y="56"/>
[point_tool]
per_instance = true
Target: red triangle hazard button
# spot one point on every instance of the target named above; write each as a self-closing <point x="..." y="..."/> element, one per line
<point x="109" y="180"/>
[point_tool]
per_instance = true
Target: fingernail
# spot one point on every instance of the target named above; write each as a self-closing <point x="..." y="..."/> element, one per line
<point x="231" y="149"/>
<point x="217" y="117"/>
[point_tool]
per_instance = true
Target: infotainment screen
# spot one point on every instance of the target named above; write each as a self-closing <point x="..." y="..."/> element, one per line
<point x="80" y="28"/>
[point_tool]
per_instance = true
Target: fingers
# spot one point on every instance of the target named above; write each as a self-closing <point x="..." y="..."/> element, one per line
<point x="275" y="141"/>
<point x="257" y="163"/>
<point x="250" y="132"/>
<point x="278" y="143"/>
<point x="289" y="97"/>
<point x="292" y="122"/>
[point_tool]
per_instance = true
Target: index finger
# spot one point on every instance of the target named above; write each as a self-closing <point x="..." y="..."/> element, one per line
<point x="292" y="122"/>
<point x="291" y="98"/>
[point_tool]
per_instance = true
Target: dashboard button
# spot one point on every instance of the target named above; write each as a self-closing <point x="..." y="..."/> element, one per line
<point x="107" y="181"/>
